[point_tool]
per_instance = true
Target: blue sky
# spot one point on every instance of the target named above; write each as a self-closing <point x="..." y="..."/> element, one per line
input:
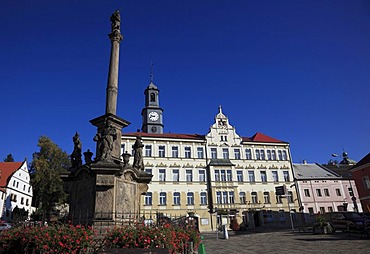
<point x="298" y="71"/>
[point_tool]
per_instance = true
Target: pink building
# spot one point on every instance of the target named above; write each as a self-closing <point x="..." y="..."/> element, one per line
<point x="322" y="190"/>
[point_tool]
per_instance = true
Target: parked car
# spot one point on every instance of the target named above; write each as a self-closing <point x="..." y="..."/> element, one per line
<point x="347" y="221"/>
<point x="4" y="225"/>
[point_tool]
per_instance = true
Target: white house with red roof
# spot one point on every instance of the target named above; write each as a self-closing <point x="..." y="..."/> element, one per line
<point x="16" y="191"/>
<point x="217" y="177"/>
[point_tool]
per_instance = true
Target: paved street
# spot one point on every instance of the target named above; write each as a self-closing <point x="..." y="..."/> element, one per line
<point x="285" y="241"/>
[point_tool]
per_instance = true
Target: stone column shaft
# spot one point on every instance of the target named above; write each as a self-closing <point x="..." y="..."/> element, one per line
<point x="112" y="86"/>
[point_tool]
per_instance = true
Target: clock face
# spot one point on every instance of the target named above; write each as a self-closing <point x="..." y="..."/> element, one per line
<point x="153" y="116"/>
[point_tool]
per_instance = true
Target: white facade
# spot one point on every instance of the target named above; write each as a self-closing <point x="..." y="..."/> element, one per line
<point x="18" y="190"/>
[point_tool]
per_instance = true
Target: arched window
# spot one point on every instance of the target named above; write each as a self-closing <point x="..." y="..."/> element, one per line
<point x="152" y="97"/>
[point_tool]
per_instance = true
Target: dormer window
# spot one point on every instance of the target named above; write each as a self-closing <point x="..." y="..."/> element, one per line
<point x="223" y="138"/>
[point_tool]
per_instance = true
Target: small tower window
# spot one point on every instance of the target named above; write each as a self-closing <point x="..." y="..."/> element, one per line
<point x="152" y="97"/>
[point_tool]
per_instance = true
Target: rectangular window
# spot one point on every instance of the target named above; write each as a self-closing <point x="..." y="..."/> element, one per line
<point x="266" y="197"/>
<point x="224" y="197"/>
<point x="263" y="177"/>
<point x="162" y="175"/>
<point x="162" y="198"/>
<point x="251" y="176"/>
<point x="148" y="171"/>
<point x="237" y="154"/>
<point x="310" y="211"/>
<point x="148" y="198"/>
<point x="248" y="154"/>
<point x="338" y="192"/>
<point x="326" y="192"/>
<point x="318" y="193"/>
<point x="231" y="197"/>
<point x="200" y="152"/>
<point x="214" y="153"/>
<point x="275" y="176"/>
<point x="229" y="176"/>
<point x="218" y="197"/>
<point x="161" y="151"/>
<point x="366" y="182"/>
<point x="175" y="152"/>
<point x="280" y="154"/>
<point x="223" y="175"/>
<point x="278" y="199"/>
<point x="27" y="203"/>
<point x="217" y="175"/>
<point x="286" y="176"/>
<point x="242" y="197"/>
<point x="176" y="198"/>
<point x="254" y="197"/>
<point x="262" y="152"/>
<point x="322" y="210"/>
<point x="225" y="153"/>
<point x="148" y="151"/>
<point x="306" y="192"/>
<point x="202" y="175"/>
<point x="189" y="175"/>
<point x="122" y="148"/>
<point x="239" y="175"/>
<point x="175" y="175"/>
<point x="203" y="198"/>
<point x="258" y="157"/>
<point x="22" y="200"/>
<point x="273" y="155"/>
<point x="330" y="209"/>
<point x="268" y="154"/>
<point x="285" y="156"/>
<point x="350" y="191"/>
<point x="188" y="152"/>
<point x="290" y="197"/>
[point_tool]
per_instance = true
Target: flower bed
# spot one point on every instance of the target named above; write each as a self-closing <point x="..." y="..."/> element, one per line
<point x="78" y="239"/>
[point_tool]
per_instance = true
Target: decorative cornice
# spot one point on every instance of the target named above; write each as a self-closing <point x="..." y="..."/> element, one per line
<point x="188" y="165"/>
<point x="250" y="167"/>
<point x="262" y="167"/>
<point x="149" y="164"/>
<point x="273" y="167"/>
<point x="284" y="167"/>
<point x="238" y="166"/>
<point x="200" y="166"/>
<point x="174" y="165"/>
<point x="161" y="165"/>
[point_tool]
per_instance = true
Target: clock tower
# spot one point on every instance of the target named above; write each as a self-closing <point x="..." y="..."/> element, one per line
<point x="152" y="114"/>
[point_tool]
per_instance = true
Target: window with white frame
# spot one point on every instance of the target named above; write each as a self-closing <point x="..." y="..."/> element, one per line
<point x="162" y="175"/>
<point x="248" y="154"/>
<point x="148" y="171"/>
<point x="190" y="198"/>
<point x="214" y="153"/>
<point x="237" y="154"/>
<point x="330" y="209"/>
<point x="275" y="176"/>
<point x="262" y="152"/>
<point x="263" y="176"/>
<point x="273" y="155"/>
<point x="217" y="175"/>
<point x="188" y="152"/>
<point x="280" y="154"/>
<point x="202" y="175"/>
<point x="338" y="192"/>
<point x="278" y="199"/>
<point x="218" y="197"/>
<point x="176" y="198"/>
<point x="175" y="175"/>
<point x="224" y="197"/>
<point x="200" y="152"/>
<point x="290" y="197"/>
<point x="286" y="176"/>
<point x="175" y="152"/>
<point x="254" y="197"/>
<point x="242" y="197"/>
<point x="252" y="179"/>
<point x="239" y="175"/>
<point x="229" y="176"/>
<point x="258" y="156"/>
<point x="225" y="153"/>
<point x="326" y="192"/>
<point x="148" y="198"/>
<point x="266" y="197"/>
<point x="203" y="198"/>
<point x="306" y="192"/>
<point x="189" y="175"/>
<point x="161" y="151"/>
<point x="231" y="197"/>
<point x="148" y="151"/>
<point x="322" y="210"/>
<point x="162" y="198"/>
<point x="310" y="211"/>
<point x="285" y="155"/>
<point x="268" y="152"/>
<point x="318" y="193"/>
<point x="223" y="175"/>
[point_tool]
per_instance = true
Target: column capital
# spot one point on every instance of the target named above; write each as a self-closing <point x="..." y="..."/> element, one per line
<point x="115" y="36"/>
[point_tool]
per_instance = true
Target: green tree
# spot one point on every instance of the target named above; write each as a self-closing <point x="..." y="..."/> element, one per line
<point x="47" y="164"/>
<point x="9" y="158"/>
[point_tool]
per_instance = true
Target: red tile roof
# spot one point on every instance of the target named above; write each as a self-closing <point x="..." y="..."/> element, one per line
<point x="165" y="135"/>
<point x="260" y="137"/>
<point x="6" y="171"/>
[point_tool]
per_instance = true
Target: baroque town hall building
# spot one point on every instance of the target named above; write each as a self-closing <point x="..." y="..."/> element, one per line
<point x="214" y="177"/>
